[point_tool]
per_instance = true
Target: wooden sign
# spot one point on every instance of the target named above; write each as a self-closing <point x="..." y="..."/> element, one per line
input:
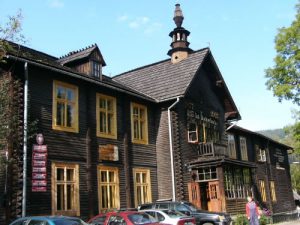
<point x="108" y="152"/>
<point x="39" y="165"/>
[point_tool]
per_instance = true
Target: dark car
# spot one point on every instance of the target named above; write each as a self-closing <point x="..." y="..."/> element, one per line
<point x="48" y="220"/>
<point x="123" y="218"/>
<point x="202" y="217"/>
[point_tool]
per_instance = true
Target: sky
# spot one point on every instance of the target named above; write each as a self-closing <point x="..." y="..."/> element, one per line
<point x="134" y="33"/>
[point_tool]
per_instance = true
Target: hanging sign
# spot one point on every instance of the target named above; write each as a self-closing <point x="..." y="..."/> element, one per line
<point x="39" y="165"/>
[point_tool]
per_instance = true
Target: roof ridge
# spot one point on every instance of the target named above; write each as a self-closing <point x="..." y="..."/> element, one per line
<point x="77" y="51"/>
<point x="155" y="63"/>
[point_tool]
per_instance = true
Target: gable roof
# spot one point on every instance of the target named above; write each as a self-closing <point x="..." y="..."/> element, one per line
<point x="241" y="129"/>
<point x="164" y="80"/>
<point x="80" y="54"/>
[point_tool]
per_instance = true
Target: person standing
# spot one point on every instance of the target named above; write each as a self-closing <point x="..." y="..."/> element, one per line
<point x="252" y="211"/>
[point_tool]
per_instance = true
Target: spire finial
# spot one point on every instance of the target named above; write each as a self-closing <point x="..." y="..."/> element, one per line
<point x="178" y="16"/>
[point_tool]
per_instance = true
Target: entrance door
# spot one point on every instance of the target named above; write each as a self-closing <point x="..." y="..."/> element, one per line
<point x="215" y="203"/>
<point x="194" y="194"/>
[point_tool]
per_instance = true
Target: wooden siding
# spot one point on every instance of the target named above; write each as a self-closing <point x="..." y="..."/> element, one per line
<point x="71" y="147"/>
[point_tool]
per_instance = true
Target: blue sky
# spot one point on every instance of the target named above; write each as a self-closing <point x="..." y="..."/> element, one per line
<point x="132" y="33"/>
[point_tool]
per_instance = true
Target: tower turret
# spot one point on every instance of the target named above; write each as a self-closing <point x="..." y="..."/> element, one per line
<point x="180" y="45"/>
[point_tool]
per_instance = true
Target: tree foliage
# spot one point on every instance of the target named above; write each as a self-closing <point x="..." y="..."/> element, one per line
<point x="284" y="77"/>
<point x="11" y="31"/>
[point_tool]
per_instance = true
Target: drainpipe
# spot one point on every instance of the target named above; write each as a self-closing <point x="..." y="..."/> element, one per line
<point x="171" y="149"/>
<point x="25" y="140"/>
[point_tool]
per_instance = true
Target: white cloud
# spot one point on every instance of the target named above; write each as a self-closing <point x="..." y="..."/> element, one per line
<point x="122" y="18"/>
<point x="56" y="4"/>
<point x="143" y="23"/>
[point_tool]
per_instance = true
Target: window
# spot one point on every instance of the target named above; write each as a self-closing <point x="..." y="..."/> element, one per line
<point x="262" y="189"/>
<point x="192" y="133"/>
<point x="65" y="107"/>
<point x="142" y="186"/>
<point x="231" y="146"/>
<point x="237" y="182"/>
<point x="108" y="193"/>
<point x="65" y="189"/>
<point x="96" y="69"/>
<point x="106" y="116"/>
<point x="139" y="124"/>
<point x="260" y="154"/>
<point x="209" y="173"/>
<point x="243" y="146"/>
<point x="273" y="192"/>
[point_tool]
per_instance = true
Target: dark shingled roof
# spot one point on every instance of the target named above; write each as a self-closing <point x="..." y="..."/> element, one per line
<point x="79" y="54"/>
<point x="21" y="52"/>
<point x="164" y="80"/>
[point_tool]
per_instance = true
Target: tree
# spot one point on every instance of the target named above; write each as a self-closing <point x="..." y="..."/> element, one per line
<point x="11" y="31"/>
<point x="284" y="77"/>
<point x="284" y="81"/>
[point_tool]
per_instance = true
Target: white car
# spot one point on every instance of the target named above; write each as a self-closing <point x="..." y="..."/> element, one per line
<point x="172" y="217"/>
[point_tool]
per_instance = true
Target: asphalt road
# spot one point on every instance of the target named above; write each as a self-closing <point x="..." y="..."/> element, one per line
<point x="295" y="222"/>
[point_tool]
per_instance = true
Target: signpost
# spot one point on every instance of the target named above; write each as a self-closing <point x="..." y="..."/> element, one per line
<point x="39" y="165"/>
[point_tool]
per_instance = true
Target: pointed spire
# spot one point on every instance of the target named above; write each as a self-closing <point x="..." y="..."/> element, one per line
<point x="178" y="16"/>
<point x="180" y="45"/>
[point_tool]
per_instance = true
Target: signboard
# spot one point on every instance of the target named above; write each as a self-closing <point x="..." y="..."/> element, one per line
<point x="108" y="152"/>
<point x="39" y="165"/>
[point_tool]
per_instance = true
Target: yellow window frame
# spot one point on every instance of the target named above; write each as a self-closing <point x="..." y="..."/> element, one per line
<point x="75" y="195"/>
<point x="74" y="128"/>
<point x="231" y="146"/>
<point x="141" y="133"/>
<point x="106" y="111"/>
<point x="273" y="191"/>
<point x="243" y="147"/>
<point x="115" y="183"/>
<point x="262" y="189"/>
<point x="142" y="185"/>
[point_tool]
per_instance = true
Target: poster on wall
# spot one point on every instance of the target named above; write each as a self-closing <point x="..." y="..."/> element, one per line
<point x="39" y="165"/>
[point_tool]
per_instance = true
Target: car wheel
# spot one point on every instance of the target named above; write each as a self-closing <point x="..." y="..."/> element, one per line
<point x="208" y="223"/>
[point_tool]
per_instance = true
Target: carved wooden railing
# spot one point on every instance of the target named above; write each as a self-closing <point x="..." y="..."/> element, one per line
<point x="212" y="149"/>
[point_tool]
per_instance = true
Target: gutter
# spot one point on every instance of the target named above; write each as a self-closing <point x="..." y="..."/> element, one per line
<point x="24" y="196"/>
<point x="171" y="149"/>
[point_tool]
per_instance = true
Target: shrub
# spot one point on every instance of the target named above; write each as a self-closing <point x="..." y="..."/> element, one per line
<point x="241" y="220"/>
<point x="264" y="220"/>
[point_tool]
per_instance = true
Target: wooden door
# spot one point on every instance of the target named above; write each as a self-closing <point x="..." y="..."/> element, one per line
<point x="194" y="194"/>
<point x="215" y="203"/>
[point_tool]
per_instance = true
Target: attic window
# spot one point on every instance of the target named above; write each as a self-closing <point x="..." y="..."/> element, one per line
<point x="96" y="69"/>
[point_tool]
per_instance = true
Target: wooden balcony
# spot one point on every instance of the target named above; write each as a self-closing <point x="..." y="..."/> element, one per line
<point x="212" y="149"/>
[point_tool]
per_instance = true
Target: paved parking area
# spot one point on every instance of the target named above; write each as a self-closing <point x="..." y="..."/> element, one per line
<point x="294" y="222"/>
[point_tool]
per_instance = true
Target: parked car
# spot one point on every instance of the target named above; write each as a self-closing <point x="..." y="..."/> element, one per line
<point x="48" y="220"/>
<point x="202" y="217"/>
<point x="170" y="216"/>
<point x="123" y="218"/>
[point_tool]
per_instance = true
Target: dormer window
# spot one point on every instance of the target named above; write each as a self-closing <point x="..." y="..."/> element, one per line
<point x="96" y="69"/>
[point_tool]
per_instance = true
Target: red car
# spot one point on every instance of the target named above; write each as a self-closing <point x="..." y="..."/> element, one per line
<point x="123" y="218"/>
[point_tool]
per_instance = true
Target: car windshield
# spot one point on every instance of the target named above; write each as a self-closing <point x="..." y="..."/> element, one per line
<point x="173" y="213"/>
<point x="141" y="218"/>
<point x="191" y="206"/>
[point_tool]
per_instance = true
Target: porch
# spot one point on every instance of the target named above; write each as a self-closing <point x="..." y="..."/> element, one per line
<point x="212" y="149"/>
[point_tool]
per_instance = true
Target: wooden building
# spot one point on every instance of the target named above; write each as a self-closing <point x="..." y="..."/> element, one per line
<point x="155" y="132"/>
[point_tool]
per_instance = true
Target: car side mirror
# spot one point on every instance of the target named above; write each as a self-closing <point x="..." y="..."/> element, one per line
<point x="187" y="213"/>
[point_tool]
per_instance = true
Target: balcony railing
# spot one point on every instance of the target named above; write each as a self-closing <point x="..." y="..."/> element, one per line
<point x="212" y="149"/>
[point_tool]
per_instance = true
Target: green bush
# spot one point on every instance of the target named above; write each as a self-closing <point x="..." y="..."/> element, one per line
<point x="241" y="220"/>
<point x="264" y="220"/>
